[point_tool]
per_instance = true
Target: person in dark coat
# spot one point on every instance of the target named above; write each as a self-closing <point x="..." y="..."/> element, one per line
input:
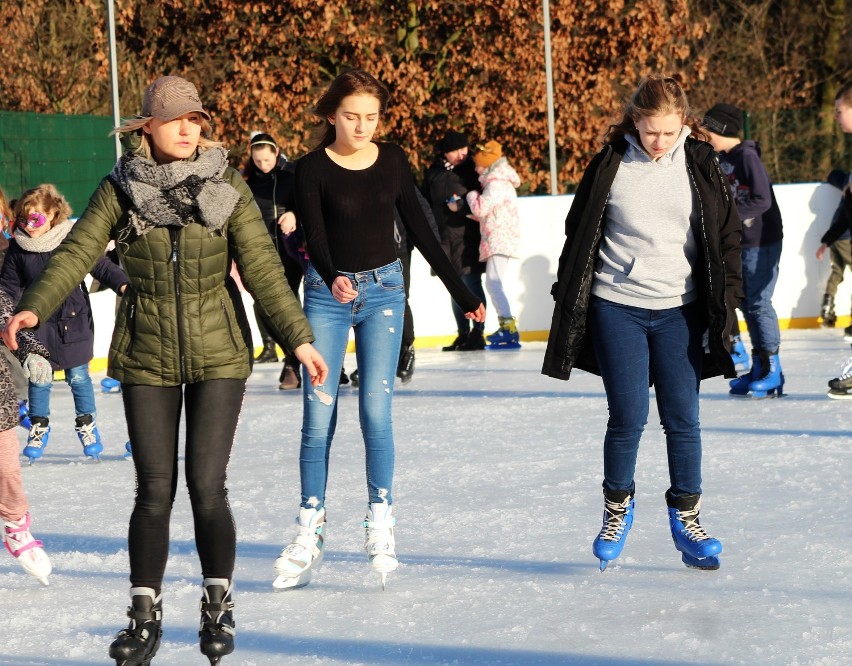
<point x="649" y="272"/>
<point x="447" y="181"/>
<point x="270" y="176"/>
<point x="762" y="236"/>
<point x="69" y="334"/>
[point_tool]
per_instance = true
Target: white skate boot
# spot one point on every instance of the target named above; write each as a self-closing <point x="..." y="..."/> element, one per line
<point x="297" y="561"/>
<point x="379" y="540"/>
<point x="26" y="549"/>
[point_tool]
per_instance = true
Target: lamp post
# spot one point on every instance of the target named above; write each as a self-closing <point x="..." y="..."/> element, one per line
<point x="548" y="72"/>
<point x="113" y="72"/>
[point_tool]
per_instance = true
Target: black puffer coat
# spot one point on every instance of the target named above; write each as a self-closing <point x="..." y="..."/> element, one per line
<point x="717" y="272"/>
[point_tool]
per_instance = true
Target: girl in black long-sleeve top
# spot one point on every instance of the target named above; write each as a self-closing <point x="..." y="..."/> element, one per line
<point x="346" y="191"/>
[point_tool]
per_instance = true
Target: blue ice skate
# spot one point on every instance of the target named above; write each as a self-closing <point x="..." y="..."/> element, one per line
<point x="37" y="439"/>
<point x="24" y="415"/>
<point x="128" y="450"/>
<point x="739" y="386"/>
<point x="89" y="436"/>
<point x="617" y="521"/>
<point x="505" y="337"/>
<point x="110" y="385"/>
<point x="771" y="384"/>
<point x="739" y="355"/>
<point x="698" y="549"/>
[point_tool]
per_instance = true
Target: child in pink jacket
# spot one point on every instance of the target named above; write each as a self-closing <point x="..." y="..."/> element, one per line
<point x="496" y="209"/>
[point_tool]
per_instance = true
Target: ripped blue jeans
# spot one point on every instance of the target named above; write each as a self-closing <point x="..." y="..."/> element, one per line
<point x="81" y="390"/>
<point x="376" y="316"/>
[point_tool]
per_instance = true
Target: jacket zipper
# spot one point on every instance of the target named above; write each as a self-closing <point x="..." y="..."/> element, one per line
<point x="131" y="327"/>
<point x="176" y="271"/>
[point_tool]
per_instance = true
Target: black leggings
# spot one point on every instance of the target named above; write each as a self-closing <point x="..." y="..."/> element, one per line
<point x="153" y="423"/>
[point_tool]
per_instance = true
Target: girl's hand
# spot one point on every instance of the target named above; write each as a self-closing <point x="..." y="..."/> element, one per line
<point x="342" y="289"/>
<point x="477" y="315"/>
<point x="313" y="362"/>
<point x="24" y="319"/>
<point x="287" y="223"/>
<point x="821" y="251"/>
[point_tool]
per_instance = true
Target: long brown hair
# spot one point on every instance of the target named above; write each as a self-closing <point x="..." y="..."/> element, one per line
<point x="351" y="82"/>
<point x="656" y="95"/>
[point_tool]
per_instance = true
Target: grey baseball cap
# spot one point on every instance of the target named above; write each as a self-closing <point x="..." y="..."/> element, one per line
<point x="170" y="97"/>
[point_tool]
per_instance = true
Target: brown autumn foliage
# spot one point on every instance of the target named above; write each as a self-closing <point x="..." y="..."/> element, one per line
<point x="475" y="66"/>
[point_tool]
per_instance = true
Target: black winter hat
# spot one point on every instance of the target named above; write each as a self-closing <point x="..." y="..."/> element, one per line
<point x="453" y="141"/>
<point x="724" y="120"/>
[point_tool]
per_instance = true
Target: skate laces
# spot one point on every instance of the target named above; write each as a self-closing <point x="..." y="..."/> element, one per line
<point x="37" y="433"/>
<point x="613" y="527"/>
<point x="308" y="539"/>
<point x="87" y="433"/>
<point x="18" y="538"/>
<point x="380" y="538"/>
<point x="691" y="527"/>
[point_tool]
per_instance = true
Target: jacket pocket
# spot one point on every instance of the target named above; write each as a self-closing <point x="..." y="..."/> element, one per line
<point x="231" y="324"/>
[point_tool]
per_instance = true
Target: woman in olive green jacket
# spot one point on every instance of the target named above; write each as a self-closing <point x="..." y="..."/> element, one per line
<point x="179" y="216"/>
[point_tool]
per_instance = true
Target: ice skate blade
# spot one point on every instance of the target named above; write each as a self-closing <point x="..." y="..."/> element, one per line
<point x="603" y="565"/>
<point x="706" y="564"/>
<point x="513" y="346"/>
<point x="839" y="395"/>
<point x="765" y="395"/>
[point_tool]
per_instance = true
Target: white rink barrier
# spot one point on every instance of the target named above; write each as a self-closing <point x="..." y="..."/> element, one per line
<point x="806" y="208"/>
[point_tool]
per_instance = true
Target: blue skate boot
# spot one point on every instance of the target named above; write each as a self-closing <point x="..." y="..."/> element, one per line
<point x="128" y="450"/>
<point x="739" y="386"/>
<point x="505" y="337"/>
<point x="89" y="436"/>
<point x="617" y="520"/>
<point x="698" y="549"/>
<point x="771" y="383"/>
<point x="110" y="385"/>
<point x="738" y="354"/>
<point x="24" y="415"/>
<point x="37" y="439"/>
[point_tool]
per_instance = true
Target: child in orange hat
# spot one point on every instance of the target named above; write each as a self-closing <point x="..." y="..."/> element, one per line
<point x="496" y="209"/>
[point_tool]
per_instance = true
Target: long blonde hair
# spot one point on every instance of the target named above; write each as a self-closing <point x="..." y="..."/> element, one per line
<point x="134" y="138"/>
<point x="656" y="95"/>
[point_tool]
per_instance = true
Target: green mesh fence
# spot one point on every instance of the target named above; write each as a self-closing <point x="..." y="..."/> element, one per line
<point x="72" y="152"/>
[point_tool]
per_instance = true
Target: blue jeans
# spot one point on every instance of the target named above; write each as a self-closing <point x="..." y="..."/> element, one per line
<point x="81" y="389"/>
<point x="629" y="343"/>
<point x="760" y="273"/>
<point x="472" y="281"/>
<point x="376" y="315"/>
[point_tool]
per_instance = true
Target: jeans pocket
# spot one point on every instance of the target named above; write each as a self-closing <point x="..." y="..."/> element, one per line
<point x="391" y="281"/>
<point x="312" y="278"/>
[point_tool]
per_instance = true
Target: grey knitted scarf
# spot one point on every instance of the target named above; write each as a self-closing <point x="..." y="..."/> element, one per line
<point x="174" y="194"/>
<point x="48" y="241"/>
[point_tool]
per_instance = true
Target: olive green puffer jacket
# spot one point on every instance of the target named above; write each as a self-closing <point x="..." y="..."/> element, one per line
<point x="181" y="319"/>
